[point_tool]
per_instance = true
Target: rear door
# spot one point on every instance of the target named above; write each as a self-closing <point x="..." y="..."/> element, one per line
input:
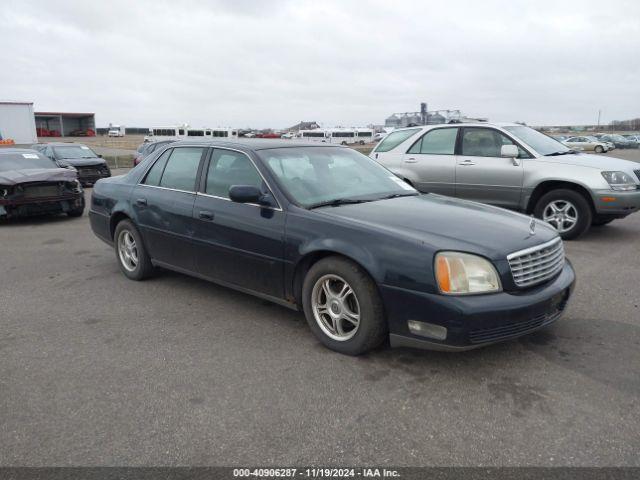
<point x="238" y="243"/>
<point x="163" y="203"/>
<point x="482" y="175"/>
<point x="432" y="162"/>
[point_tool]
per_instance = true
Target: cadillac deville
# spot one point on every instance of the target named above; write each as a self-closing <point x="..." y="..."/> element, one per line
<point x="328" y="231"/>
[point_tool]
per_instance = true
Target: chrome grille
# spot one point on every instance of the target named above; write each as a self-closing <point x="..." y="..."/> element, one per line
<point x="536" y="264"/>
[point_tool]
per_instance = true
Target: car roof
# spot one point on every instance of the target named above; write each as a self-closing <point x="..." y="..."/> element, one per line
<point x="61" y="144"/>
<point x="17" y="150"/>
<point x="256" y="144"/>
<point x="465" y="124"/>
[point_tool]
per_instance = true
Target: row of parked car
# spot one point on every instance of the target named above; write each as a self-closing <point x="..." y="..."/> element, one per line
<point x="600" y="143"/>
<point x="48" y="178"/>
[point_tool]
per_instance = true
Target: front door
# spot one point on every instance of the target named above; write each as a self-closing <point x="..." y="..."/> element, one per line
<point x="432" y="161"/>
<point x="238" y="243"/>
<point x="163" y="203"/>
<point x="482" y="175"/>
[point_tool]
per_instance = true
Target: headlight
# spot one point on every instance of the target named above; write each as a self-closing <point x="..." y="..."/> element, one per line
<point x="462" y="273"/>
<point x="619" y="180"/>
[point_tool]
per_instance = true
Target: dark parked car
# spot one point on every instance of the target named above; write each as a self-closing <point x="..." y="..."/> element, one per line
<point x="619" y="141"/>
<point x="329" y="231"/>
<point x="90" y="166"/>
<point x="148" y="148"/>
<point x="31" y="184"/>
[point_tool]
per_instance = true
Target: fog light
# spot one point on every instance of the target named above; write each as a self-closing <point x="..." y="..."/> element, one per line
<point x="427" y="329"/>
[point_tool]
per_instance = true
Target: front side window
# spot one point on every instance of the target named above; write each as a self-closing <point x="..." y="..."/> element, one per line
<point x="485" y="142"/>
<point x="394" y="139"/>
<point x="314" y="175"/>
<point x="230" y="168"/>
<point x="440" y="141"/>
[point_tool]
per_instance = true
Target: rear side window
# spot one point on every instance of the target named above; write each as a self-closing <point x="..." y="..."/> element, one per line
<point x="395" y="138"/>
<point x="440" y="141"/>
<point x="182" y="169"/>
<point x="155" y="172"/>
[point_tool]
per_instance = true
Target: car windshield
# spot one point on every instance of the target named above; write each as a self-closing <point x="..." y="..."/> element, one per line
<point x="315" y="176"/>
<point x="75" y="151"/>
<point x="541" y="143"/>
<point x="24" y="161"/>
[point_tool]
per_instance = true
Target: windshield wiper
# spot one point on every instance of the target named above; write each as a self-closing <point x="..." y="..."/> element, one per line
<point x="555" y="154"/>
<point x="337" y="202"/>
<point x="396" y="195"/>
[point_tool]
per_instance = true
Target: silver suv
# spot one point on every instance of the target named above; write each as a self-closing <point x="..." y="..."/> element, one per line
<point x="514" y="166"/>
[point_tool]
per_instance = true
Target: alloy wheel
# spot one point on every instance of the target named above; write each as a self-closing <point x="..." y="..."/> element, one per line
<point x="127" y="250"/>
<point x="561" y="214"/>
<point x="335" y="307"/>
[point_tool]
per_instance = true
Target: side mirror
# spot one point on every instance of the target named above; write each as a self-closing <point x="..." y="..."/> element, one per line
<point x="247" y="194"/>
<point x="99" y="155"/>
<point x="509" y="151"/>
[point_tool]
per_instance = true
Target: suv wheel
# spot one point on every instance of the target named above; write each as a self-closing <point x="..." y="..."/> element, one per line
<point x="343" y="307"/>
<point x="565" y="210"/>
<point x="131" y="253"/>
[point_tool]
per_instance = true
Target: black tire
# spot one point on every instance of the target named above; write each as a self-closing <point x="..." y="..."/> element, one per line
<point x="599" y="149"/>
<point x="584" y="213"/>
<point x="144" y="268"/>
<point x="372" y="327"/>
<point x="599" y="221"/>
<point x="77" y="212"/>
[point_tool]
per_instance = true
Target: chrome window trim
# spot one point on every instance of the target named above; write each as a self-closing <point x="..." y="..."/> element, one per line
<point x="535" y="248"/>
<point x="276" y="209"/>
<point x="166" y="188"/>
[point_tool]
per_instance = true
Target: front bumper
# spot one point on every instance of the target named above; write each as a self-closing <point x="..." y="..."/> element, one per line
<point x="90" y="175"/>
<point x="476" y="320"/>
<point x="612" y="202"/>
<point x="40" y="206"/>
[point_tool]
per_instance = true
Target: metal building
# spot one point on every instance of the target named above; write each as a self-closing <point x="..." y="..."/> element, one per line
<point x="61" y="124"/>
<point x="17" y="122"/>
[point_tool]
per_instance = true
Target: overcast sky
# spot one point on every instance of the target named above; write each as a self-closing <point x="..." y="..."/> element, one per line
<point x="273" y="63"/>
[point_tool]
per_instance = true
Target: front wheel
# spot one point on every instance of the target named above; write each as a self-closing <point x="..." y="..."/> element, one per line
<point x="343" y="307"/>
<point x="599" y="149"/>
<point x="565" y="210"/>
<point x="131" y="253"/>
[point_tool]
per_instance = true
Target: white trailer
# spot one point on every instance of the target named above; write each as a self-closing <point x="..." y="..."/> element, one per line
<point x="315" y="135"/>
<point x="17" y="123"/>
<point x="116" y="131"/>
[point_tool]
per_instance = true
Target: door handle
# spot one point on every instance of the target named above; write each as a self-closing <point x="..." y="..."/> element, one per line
<point x="467" y="163"/>
<point x="205" y="215"/>
<point x="141" y="202"/>
<point x="411" y="160"/>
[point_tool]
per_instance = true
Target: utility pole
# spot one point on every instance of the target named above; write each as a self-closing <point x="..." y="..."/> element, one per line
<point x="599" y="111"/>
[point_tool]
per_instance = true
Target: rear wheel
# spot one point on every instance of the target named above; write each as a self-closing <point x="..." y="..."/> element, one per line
<point x="565" y="210"/>
<point x="131" y="253"/>
<point x="343" y="307"/>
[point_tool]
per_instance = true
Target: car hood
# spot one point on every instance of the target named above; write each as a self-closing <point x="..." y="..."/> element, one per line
<point x="85" y="162"/>
<point x="15" y="177"/>
<point x="593" y="161"/>
<point x="448" y="224"/>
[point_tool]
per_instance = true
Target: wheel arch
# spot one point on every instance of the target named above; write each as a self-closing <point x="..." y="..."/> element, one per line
<point x="547" y="186"/>
<point x="115" y="219"/>
<point x="311" y="257"/>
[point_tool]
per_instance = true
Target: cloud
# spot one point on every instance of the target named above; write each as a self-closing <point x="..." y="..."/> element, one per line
<point x="256" y="63"/>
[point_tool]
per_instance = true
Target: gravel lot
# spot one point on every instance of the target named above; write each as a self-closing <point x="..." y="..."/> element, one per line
<point x="99" y="370"/>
